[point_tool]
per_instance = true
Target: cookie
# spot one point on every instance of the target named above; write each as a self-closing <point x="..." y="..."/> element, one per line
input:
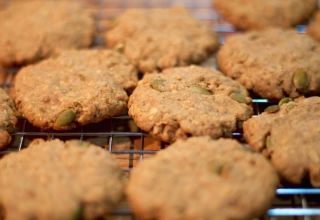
<point x="272" y="63"/>
<point x="7" y="118"/>
<point x="199" y="178"/>
<point x="155" y="39"/>
<point x="260" y="14"/>
<point x="34" y="30"/>
<point x="189" y="101"/>
<point x="71" y="180"/>
<point x="313" y="29"/>
<point x="112" y="63"/>
<point x="289" y="136"/>
<point x="60" y="94"/>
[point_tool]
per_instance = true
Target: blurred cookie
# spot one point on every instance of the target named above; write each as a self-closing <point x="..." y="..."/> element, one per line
<point x="314" y="28"/>
<point x="33" y="30"/>
<point x="156" y="39"/>
<point x="199" y="178"/>
<point x="62" y="95"/>
<point x="60" y="181"/>
<point x="273" y="63"/>
<point x="111" y="62"/>
<point x="289" y="136"/>
<point x="259" y="14"/>
<point x="189" y="101"/>
<point x="7" y="118"/>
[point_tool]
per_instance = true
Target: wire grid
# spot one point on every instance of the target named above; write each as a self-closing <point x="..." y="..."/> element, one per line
<point x="130" y="144"/>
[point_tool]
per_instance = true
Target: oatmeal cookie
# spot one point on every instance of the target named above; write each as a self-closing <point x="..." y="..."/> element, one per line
<point x="111" y="62"/>
<point x="7" y="118"/>
<point x="314" y="28"/>
<point x="64" y="95"/>
<point x="34" y="30"/>
<point x="273" y="63"/>
<point x="189" y="101"/>
<point x="289" y="136"/>
<point x="156" y="39"/>
<point x="199" y="178"/>
<point x="259" y="14"/>
<point x="60" y="181"/>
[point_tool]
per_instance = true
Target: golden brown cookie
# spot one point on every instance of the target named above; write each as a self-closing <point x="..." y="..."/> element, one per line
<point x="259" y="14"/>
<point x="189" y="101"/>
<point x="33" y="30"/>
<point x="62" y="95"/>
<point x="200" y="178"/>
<point x="314" y="28"/>
<point x="156" y="39"/>
<point x="110" y="62"/>
<point x="273" y="63"/>
<point x="54" y="180"/>
<point x="289" y="136"/>
<point x="7" y="118"/>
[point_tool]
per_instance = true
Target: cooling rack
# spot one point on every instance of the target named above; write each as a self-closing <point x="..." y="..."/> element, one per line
<point x="130" y="144"/>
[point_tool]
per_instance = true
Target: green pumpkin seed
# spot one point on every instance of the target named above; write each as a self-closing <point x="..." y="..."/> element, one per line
<point x="158" y="85"/>
<point x="215" y="168"/>
<point x="301" y="81"/>
<point x="200" y="90"/>
<point x="77" y="214"/>
<point x="243" y="57"/>
<point x="247" y="148"/>
<point x="254" y="36"/>
<point x="66" y="117"/>
<point x="272" y="109"/>
<point x="120" y="48"/>
<point x="239" y="98"/>
<point x="268" y="141"/>
<point x="284" y="100"/>
<point x="290" y="107"/>
<point x="78" y="142"/>
<point x="82" y="78"/>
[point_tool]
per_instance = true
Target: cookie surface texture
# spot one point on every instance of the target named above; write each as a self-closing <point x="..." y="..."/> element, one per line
<point x="259" y="14"/>
<point x="200" y="178"/>
<point x="7" y="118"/>
<point x="189" y="101"/>
<point x="111" y="62"/>
<point x="314" y="28"/>
<point x="290" y="138"/>
<point x="154" y="39"/>
<point x="60" y="180"/>
<point x="273" y="63"/>
<point x="62" y="95"/>
<point x="33" y="30"/>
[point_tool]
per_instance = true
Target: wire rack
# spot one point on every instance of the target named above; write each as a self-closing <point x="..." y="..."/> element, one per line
<point x="130" y="144"/>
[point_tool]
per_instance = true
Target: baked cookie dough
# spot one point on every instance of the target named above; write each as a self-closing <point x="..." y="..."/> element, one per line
<point x="199" y="178"/>
<point x="63" y="95"/>
<point x="33" y="30"/>
<point x="259" y="14"/>
<point x="189" y="101"/>
<point x="314" y="28"/>
<point x="156" y="39"/>
<point x="7" y="118"/>
<point x="273" y="63"/>
<point x="54" y="180"/>
<point x="111" y="62"/>
<point x="289" y="136"/>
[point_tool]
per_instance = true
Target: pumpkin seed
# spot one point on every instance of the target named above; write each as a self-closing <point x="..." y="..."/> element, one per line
<point x="66" y="117"/>
<point x="284" y="100"/>
<point x="301" y="81"/>
<point x="239" y="98"/>
<point x="158" y="85"/>
<point x="200" y="90"/>
<point x="272" y="109"/>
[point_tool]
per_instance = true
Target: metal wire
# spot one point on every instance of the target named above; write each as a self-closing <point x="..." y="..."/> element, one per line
<point x="292" y="203"/>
